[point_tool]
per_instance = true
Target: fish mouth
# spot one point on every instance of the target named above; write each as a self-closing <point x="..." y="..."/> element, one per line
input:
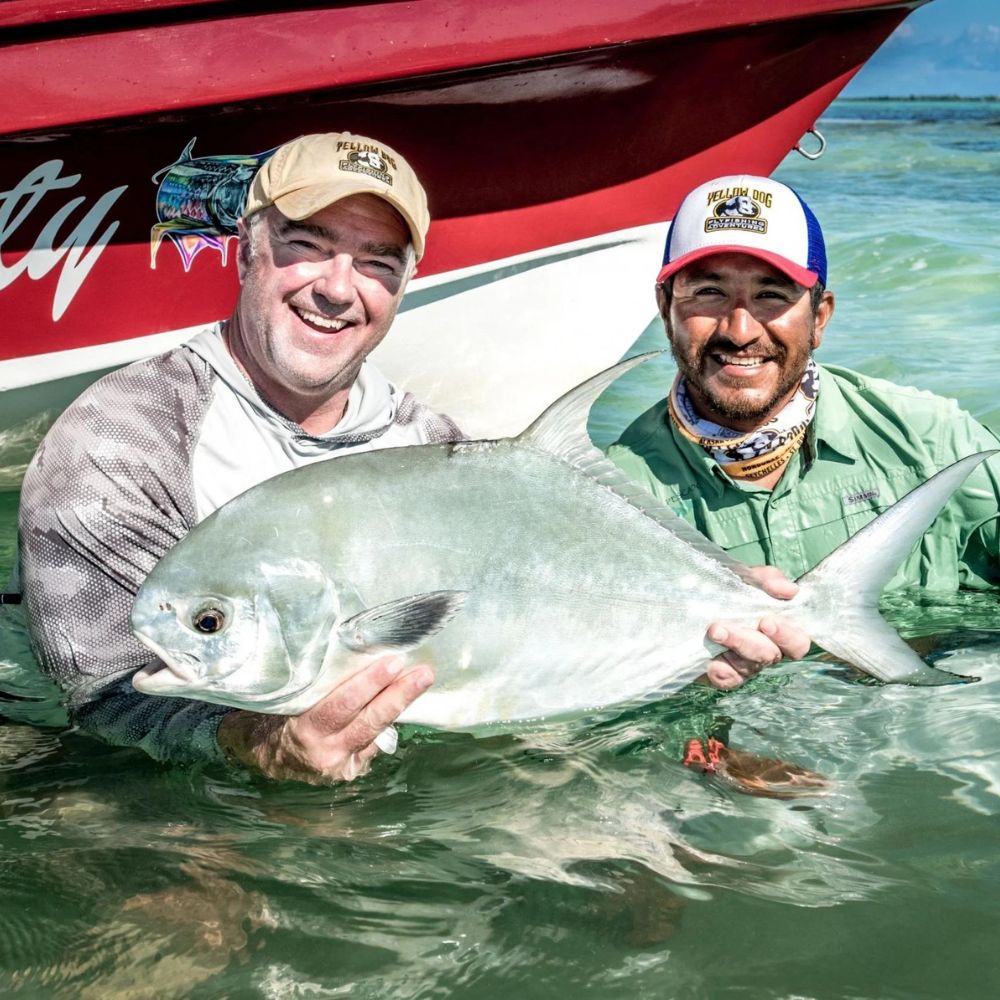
<point x="168" y="673"/>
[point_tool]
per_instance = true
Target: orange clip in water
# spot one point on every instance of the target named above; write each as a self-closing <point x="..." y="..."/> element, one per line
<point x="695" y="754"/>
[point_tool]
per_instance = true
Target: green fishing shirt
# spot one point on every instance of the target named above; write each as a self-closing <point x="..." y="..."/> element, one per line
<point x="870" y="443"/>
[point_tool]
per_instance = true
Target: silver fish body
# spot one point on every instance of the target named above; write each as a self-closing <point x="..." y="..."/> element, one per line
<point x="528" y="571"/>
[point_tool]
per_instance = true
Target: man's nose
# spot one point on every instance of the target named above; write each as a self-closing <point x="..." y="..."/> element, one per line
<point x="739" y="325"/>
<point x="334" y="280"/>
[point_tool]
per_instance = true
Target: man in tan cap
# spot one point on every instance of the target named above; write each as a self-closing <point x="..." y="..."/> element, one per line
<point x="332" y="230"/>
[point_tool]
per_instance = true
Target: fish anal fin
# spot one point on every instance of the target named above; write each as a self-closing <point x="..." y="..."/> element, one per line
<point x="400" y="624"/>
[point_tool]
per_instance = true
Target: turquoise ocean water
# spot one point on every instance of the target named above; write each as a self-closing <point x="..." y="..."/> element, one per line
<point x="584" y="860"/>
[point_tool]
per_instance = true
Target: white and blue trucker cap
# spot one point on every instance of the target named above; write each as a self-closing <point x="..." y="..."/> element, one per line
<point x="753" y="215"/>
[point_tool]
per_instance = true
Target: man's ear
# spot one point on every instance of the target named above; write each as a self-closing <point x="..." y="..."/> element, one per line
<point x="663" y="307"/>
<point x="243" y="248"/>
<point x="662" y="302"/>
<point x="824" y="313"/>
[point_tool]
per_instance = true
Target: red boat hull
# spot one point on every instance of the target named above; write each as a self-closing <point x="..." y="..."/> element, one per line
<point x="532" y="125"/>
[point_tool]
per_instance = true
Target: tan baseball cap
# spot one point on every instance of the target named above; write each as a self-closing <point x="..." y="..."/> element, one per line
<point x="313" y="171"/>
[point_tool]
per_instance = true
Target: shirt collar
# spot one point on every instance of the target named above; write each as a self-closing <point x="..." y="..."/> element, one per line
<point x="829" y="429"/>
<point x="832" y="420"/>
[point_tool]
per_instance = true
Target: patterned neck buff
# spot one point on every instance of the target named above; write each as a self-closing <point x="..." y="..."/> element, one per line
<point x="758" y="453"/>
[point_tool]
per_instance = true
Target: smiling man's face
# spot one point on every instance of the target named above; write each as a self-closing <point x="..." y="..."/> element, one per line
<point x="317" y="297"/>
<point x="742" y="333"/>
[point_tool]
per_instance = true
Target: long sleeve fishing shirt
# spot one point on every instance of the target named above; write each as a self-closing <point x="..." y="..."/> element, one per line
<point x="125" y="472"/>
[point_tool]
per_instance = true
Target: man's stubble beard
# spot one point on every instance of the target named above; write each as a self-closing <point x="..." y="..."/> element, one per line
<point x="737" y="408"/>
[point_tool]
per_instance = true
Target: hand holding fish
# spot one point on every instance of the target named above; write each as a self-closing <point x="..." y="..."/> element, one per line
<point x="752" y="649"/>
<point x="333" y="740"/>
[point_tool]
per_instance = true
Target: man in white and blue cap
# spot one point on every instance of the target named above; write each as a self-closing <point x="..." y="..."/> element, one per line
<point x="773" y="456"/>
<point x="744" y="275"/>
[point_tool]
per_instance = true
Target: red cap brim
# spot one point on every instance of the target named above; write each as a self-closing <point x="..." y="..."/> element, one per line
<point x="796" y="272"/>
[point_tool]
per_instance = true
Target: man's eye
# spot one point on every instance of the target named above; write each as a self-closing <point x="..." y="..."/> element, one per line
<point x="304" y="245"/>
<point x="380" y="270"/>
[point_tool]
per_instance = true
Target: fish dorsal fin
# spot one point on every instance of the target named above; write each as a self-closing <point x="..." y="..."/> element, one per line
<point x="562" y="431"/>
<point x="562" y="427"/>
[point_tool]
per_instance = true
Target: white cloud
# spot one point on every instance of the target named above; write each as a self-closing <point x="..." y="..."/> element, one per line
<point x="957" y="59"/>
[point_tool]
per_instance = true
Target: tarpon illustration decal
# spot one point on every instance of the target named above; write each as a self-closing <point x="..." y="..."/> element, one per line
<point x="199" y="200"/>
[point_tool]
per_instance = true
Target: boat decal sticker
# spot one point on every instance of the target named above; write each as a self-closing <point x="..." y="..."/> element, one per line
<point x="199" y="200"/>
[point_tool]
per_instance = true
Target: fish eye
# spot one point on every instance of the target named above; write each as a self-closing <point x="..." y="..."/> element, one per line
<point x="208" y="620"/>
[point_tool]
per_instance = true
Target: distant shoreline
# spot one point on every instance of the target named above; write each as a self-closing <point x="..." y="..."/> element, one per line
<point x="926" y="97"/>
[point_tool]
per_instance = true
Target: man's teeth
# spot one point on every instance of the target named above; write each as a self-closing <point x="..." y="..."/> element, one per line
<point x="321" y="321"/>
<point x="727" y="359"/>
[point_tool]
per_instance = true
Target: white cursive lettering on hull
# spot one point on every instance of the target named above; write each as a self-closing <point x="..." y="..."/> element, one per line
<point x="80" y="248"/>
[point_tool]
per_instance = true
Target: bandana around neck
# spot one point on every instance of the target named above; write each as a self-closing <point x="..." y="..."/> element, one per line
<point x="755" y="454"/>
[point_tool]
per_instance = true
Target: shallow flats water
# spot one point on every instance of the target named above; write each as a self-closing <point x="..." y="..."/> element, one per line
<point x="584" y="859"/>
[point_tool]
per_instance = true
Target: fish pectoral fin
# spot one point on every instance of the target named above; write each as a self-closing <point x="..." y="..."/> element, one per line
<point x="401" y="624"/>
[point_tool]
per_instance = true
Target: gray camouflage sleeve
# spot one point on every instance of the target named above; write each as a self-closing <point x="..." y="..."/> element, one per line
<point x="107" y="493"/>
<point x="168" y="729"/>
<point x="430" y="426"/>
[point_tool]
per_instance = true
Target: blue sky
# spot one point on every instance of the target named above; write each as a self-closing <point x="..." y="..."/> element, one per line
<point x="945" y="47"/>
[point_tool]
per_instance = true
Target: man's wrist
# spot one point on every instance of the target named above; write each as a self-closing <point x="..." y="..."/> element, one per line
<point x="241" y="736"/>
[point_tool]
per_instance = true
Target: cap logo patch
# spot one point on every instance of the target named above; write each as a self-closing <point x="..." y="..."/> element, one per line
<point x="737" y="208"/>
<point x="366" y="159"/>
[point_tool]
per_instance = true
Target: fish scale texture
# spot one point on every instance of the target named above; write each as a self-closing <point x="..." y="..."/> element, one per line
<point x="570" y="589"/>
<point x="109" y="491"/>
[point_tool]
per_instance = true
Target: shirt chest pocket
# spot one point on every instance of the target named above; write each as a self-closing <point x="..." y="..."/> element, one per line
<point x="824" y="519"/>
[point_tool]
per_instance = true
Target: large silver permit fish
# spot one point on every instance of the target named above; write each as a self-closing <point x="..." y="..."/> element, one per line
<point x="534" y="576"/>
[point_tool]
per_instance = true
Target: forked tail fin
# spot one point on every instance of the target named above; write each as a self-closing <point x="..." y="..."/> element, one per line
<point x="840" y="595"/>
